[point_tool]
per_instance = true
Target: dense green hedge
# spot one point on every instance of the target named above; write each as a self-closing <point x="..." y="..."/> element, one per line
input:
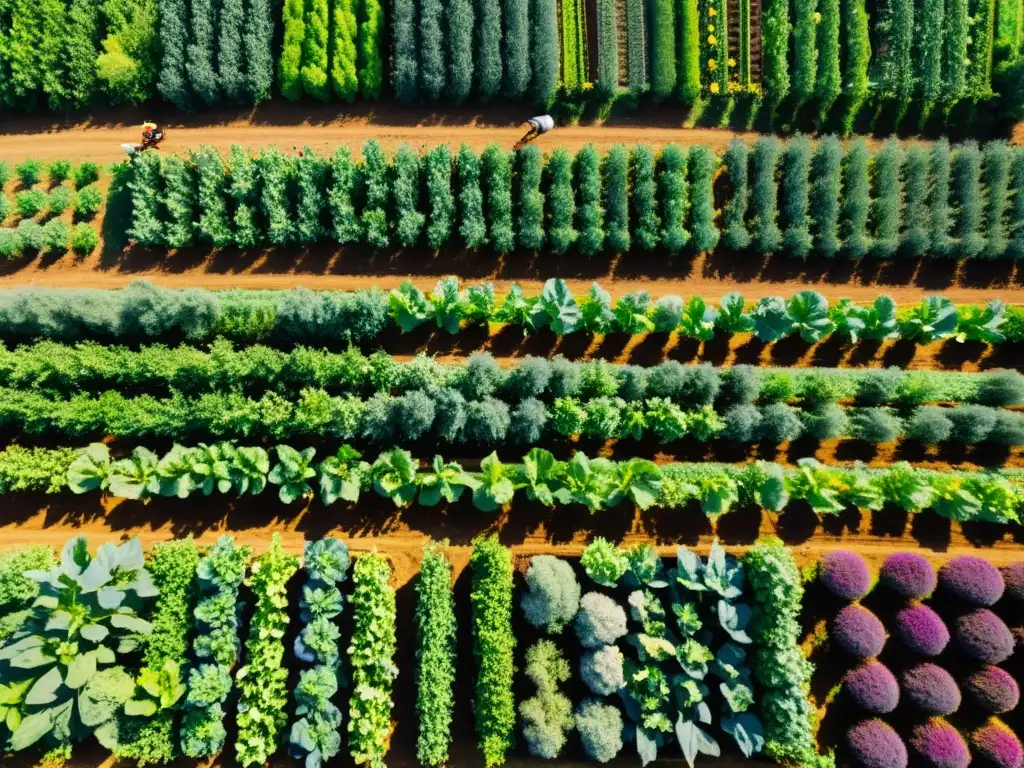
<point x="180" y="202"/>
<point x="493" y="648"/>
<point x="145" y="312"/>
<point x="436" y="629"/>
<point x="173" y="565"/>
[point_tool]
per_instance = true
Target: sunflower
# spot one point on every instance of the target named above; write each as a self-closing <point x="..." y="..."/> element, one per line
<point x="712" y="65"/>
<point x="712" y="40"/>
<point x="714" y="87"/>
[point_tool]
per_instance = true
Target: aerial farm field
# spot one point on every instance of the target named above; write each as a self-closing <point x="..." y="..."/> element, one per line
<point x="343" y="424"/>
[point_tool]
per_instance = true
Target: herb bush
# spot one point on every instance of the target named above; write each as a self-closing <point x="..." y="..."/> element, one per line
<point x="263" y="681"/>
<point x="371" y="661"/>
<point x="493" y="648"/>
<point x="436" y="628"/>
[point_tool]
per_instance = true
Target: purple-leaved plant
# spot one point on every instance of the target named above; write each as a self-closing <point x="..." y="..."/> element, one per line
<point x="909" y="575"/>
<point x="940" y="745"/>
<point x="983" y="637"/>
<point x="874" y="744"/>
<point x="971" y="579"/>
<point x="845" y="575"/>
<point x="873" y="688"/>
<point x="931" y="689"/>
<point x="993" y="690"/>
<point x="858" y="632"/>
<point x="922" y="630"/>
<point x="997" y="745"/>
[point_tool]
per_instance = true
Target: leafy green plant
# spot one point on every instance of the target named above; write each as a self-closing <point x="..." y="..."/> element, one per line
<point x="263" y="681"/>
<point x="219" y="575"/>
<point x="603" y="562"/>
<point x="292" y="472"/>
<point x="371" y="657"/>
<point x="493" y="648"/>
<point x="436" y="628"/>
<point x="86" y="615"/>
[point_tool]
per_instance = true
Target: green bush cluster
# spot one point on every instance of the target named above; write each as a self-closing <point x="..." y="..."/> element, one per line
<point x="833" y="202"/>
<point x="436" y="629"/>
<point x="779" y="666"/>
<point x="263" y="681"/>
<point x="493" y="648"/>
<point x="371" y="661"/>
<point x="173" y="564"/>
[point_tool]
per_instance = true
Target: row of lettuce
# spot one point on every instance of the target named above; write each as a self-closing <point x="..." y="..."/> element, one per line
<point x="595" y="484"/>
<point x="144" y="312"/>
<point x="938" y="645"/>
<point x="960" y="202"/>
<point x="676" y="654"/>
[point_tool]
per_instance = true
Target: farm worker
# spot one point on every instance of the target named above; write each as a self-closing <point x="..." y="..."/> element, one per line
<point x="538" y="125"/>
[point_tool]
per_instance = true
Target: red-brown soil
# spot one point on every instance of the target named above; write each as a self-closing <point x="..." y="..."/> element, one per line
<point x="98" y="137"/>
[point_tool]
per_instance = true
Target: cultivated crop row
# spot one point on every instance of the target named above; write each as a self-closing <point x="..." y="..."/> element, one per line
<point x="952" y="202"/>
<point x="39" y="211"/>
<point x="66" y="370"/>
<point x="595" y="483"/>
<point x="449" y="417"/>
<point x="145" y="312"/>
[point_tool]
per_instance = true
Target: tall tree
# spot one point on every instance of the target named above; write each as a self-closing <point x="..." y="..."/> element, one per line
<point x="432" y="44"/>
<point x="344" y="30"/>
<point x="517" y="48"/>
<point x="289" y="65"/>
<point x="314" y="51"/>
<point x="199" y="64"/>
<point x="544" y="48"/>
<point x="370" y="65"/>
<point x="404" y="66"/>
<point x="173" y="84"/>
<point x="258" y="39"/>
<point x="488" y="48"/>
<point x="460" y="44"/>
<point x="230" y="57"/>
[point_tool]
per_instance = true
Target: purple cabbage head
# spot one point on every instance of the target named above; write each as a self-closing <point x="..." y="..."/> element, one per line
<point x="984" y="637"/>
<point x="909" y="575"/>
<point x="859" y="632"/>
<point x="922" y="630"/>
<point x="873" y="688"/>
<point x="997" y="744"/>
<point x="1013" y="578"/>
<point x="931" y="689"/>
<point x="874" y="744"/>
<point x="845" y="575"/>
<point x="993" y="690"/>
<point x="940" y="744"/>
<point x="971" y="579"/>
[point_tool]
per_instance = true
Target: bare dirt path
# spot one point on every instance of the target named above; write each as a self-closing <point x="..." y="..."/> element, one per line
<point x="98" y="137"/>
<point x="694" y="278"/>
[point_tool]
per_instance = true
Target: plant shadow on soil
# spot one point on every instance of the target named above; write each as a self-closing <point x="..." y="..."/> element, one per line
<point x="926" y="273"/>
<point x="523" y="523"/>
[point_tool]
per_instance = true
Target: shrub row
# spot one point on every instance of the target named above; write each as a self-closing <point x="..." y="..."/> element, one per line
<point x="263" y="681"/>
<point x="779" y="666"/>
<point x="64" y="370"/>
<point x="152" y="739"/>
<point x="447" y="415"/>
<point x="145" y="312"/>
<point x="436" y="629"/>
<point x="371" y="661"/>
<point x="305" y="199"/>
<point x="493" y="648"/>
<point x="215" y="647"/>
<point x="395" y="474"/>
